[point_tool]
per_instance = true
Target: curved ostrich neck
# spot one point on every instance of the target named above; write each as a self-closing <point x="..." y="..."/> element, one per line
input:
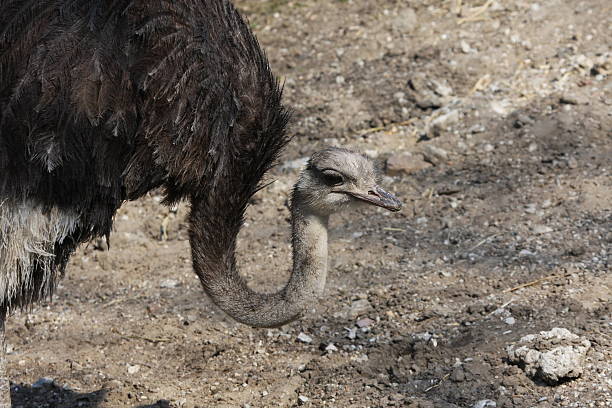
<point x="222" y="282"/>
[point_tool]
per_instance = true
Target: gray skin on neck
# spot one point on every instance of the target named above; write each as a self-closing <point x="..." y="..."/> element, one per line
<point x="334" y="180"/>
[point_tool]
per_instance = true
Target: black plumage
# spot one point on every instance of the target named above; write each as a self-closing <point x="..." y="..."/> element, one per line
<point x="102" y="101"/>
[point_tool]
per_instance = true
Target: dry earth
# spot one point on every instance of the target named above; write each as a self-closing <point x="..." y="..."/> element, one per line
<point x="497" y="123"/>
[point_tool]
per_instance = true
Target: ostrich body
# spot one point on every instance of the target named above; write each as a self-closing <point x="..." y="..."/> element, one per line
<point x="100" y="102"/>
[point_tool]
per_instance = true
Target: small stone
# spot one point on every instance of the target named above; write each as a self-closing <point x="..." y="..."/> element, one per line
<point x="169" y="283"/>
<point x="133" y="369"/>
<point x="531" y="208"/>
<point x="488" y="147"/>
<point x="435" y="155"/>
<point x="465" y="47"/>
<point x="302" y="400"/>
<point x="304" y="338"/>
<point x="485" y="404"/>
<point x="359" y="307"/>
<point x="340" y="80"/>
<point x="442" y="88"/>
<point x="330" y="348"/>
<point x="542" y="229"/>
<point x="458" y="375"/>
<point x="526" y="252"/>
<point x="365" y="322"/>
<point x="546" y="204"/>
<point x="532" y="147"/>
<point x="509" y="320"/>
<point x="405" y="21"/>
<point x="572" y="163"/>
<point x="352" y="333"/>
<point x="405" y="163"/>
<point x="447" y="119"/>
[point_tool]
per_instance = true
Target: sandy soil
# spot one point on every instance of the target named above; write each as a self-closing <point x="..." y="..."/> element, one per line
<point x="498" y="123"/>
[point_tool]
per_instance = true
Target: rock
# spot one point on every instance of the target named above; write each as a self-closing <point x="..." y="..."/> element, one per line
<point x="510" y="320"/>
<point x="365" y="322"/>
<point x="484" y="404"/>
<point x="465" y="47"/>
<point x="458" y="375"/>
<point x="435" y="155"/>
<point x="351" y="333"/>
<point x="552" y="356"/>
<point x="304" y="338"/>
<point x="422" y="91"/>
<point x="442" y="122"/>
<point x="441" y="88"/>
<point x="542" y="229"/>
<point x="359" y="307"/>
<point x="531" y="208"/>
<point x="405" y="163"/>
<point x="488" y="147"/>
<point x="169" y="283"/>
<point x="405" y="21"/>
<point x="330" y="348"/>
<point x="133" y="369"/>
<point x="302" y="400"/>
<point x="340" y="80"/>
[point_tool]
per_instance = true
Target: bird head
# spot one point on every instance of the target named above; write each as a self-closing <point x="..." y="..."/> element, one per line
<point x="335" y="179"/>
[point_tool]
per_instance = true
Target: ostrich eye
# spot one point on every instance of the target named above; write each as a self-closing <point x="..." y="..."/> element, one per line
<point x="332" y="178"/>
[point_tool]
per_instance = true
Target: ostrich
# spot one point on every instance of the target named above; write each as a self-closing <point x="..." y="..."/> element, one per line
<point x="103" y="101"/>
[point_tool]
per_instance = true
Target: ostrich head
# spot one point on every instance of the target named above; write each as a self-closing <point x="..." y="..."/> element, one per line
<point x="336" y="179"/>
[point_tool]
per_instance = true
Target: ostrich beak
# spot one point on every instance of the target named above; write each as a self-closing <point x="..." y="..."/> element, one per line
<point x="379" y="197"/>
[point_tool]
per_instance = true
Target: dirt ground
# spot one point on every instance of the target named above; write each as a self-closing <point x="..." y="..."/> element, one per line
<point x="496" y="121"/>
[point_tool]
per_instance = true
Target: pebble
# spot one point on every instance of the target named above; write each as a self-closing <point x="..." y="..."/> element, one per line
<point x="465" y="47"/>
<point x="352" y="333"/>
<point x="542" y="229"/>
<point x="405" y="163"/>
<point x="405" y="21"/>
<point x="330" y="348"/>
<point x="510" y="320"/>
<point x="302" y="400"/>
<point x="485" y="404"/>
<point x="365" y="322"/>
<point x="304" y="338"/>
<point x="531" y="208"/>
<point x="488" y="147"/>
<point x="340" y="80"/>
<point x="359" y="307"/>
<point x="133" y="369"/>
<point x="169" y="283"/>
<point x="446" y="119"/>
<point x="435" y="155"/>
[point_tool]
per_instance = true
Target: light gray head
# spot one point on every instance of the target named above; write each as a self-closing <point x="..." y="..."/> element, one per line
<point x="336" y="179"/>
